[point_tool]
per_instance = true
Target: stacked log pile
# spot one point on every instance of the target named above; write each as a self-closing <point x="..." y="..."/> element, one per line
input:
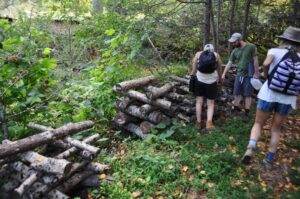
<point x="145" y="102"/>
<point x="49" y="164"/>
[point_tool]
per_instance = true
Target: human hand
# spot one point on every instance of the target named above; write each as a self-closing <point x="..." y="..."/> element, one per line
<point x="256" y="75"/>
<point x="223" y="77"/>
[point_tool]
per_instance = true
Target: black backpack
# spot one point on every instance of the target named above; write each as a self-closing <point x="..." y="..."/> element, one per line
<point x="207" y="62"/>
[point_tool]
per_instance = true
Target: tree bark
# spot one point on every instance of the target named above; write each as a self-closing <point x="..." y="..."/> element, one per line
<point x="133" y="128"/>
<point x="175" y="97"/>
<point x="3" y="120"/>
<point x="206" y="22"/>
<point x="146" y="127"/>
<point x="42" y="163"/>
<point x="132" y="84"/>
<point x="161" y="103"/>
<point x="123" y="102"/>
<point x="158" y="92"/>
<point x="230" y="22"/>
<point x="123" y="118"/>
<point x="214" y="28"/>
<point x="180" y="79"/>
<point x="154" y="116"/>
<point x="245" y="20"/>
<point x="146" y="108"/>
<point x="34" y="141"/>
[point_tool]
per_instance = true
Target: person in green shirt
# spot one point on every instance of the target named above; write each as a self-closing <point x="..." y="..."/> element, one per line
<point x="245" y="57"/>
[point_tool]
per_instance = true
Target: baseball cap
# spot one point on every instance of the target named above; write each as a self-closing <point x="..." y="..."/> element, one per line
<point x="209" y="47"/>
<point x="234" y="37"/>
<point x="256" y="83"/>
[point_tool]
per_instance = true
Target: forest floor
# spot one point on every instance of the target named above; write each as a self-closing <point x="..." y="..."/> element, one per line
<point x="180" y="162"/>
<point x="284" y="176"/>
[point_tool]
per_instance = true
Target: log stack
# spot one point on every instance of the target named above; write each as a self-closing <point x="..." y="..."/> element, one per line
<point x="145" y="102"/>
<point x="49" y="164"/>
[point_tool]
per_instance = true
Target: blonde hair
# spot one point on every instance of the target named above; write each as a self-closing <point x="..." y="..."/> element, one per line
<point x="289" y="44"/>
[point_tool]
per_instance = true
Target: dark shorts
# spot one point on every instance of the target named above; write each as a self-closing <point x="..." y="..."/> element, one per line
<point x="242" y="86"/>
<point x="206" y="90"/>
<point x="281" y="109"/>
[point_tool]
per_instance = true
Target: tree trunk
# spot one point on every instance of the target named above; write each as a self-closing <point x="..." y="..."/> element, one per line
<point x="97" y="7"/>
<point x="214" y="28"/>
<point x="133" y="84"/>
<point x="245" y="20"/>
<point x="175" y="97"/>
<point x="146" y="108"/>
<point x="206" y="22"/>
<point x="34" y="141"/>
<point x="3" y="120"/>
<point x="219" y="10"/>
<point x="230" y="22"/>
<point x="154" y="116"/>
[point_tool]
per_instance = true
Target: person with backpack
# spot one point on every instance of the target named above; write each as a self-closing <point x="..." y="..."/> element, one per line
<point x="245" y="56"/>
<point x="207" y="68"/>
<point x="278" y="94"/>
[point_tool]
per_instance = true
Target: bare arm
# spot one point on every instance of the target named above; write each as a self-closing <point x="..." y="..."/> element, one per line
<point x="267" y="63"/>
<point x="219" y="67"/>
<point x="194" y="70"/>
<point x="256" y="69"/>
<point x="228" y="65"/>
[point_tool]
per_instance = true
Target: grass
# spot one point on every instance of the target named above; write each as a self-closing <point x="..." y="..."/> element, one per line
<point x="183" y="164"/>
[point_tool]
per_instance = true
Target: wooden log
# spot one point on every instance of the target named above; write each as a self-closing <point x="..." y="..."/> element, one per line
<point x="182" y="90"/>
<point x="133" y="128"/>
<point x="123" y="102"/>
<point x="34" y="141"/>
<point x="146" y="108"/>
<point x="91" y="182"/>
<point x="180" y="79"/>
<point x="19" y="191"/>
<point x="187" y="109"/>
<point x="82" y="145"/>
<point x="73" y="150"/>
<point x="40" y="191"/>
<point x="67" y="186"/>
<point x="158" y="92"/>
<point x="97" y="167"/>
<point x="146" y="127"/>
<point x="122" y="118"/>
<point x="161" y="103"/>
<point x="175" y="97"/>
<point x="42" y="163"/>
<point x="126" y="85"/>
<point x="50" y="195"/>
<point x="189" y="102"/>
<point x="185" y="117"/>
<point x="57" y="195"/>
<point x="154" y="116"/>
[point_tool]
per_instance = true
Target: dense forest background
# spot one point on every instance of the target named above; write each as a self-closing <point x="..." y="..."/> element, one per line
<point x="60" y="59"/>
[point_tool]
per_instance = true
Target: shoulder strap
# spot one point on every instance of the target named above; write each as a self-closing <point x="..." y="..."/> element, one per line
<point x="275" y="68"/>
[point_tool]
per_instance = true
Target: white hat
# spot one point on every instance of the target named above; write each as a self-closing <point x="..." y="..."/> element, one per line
<point x="234" y="37"/>
<point x="256" y="83"/>
<point x="209" y="47"/>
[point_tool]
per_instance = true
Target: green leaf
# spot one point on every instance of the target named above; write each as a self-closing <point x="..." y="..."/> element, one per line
<point x="47" y="51"/>
<point x="110" y="32"/>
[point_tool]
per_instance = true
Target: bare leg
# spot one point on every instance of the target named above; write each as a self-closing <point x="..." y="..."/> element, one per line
<point x="248" y="102"/>
<point x="199" y="102"/>
<point x="210" y="109"/>
<point x="260" y="119"/>
<point x="237" y="100"/>
<point x="276" y="131"/>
